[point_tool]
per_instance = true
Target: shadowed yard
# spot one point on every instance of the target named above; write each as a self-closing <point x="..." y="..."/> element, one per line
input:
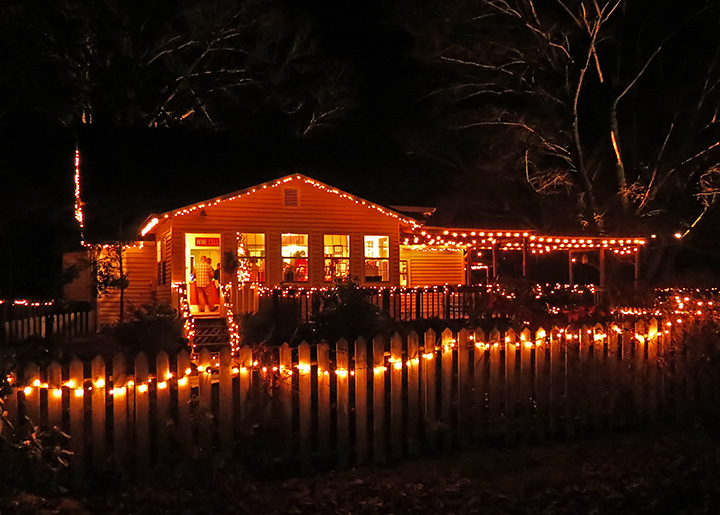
<point x="660" y="470"/>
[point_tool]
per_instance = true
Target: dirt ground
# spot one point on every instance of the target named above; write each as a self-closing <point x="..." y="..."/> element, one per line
<point x="659" y="470"/>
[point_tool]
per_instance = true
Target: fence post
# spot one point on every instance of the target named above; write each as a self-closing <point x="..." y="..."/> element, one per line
<point x="361" y="418"/>
<point x="396" y="408"/>
<point x="557" y="382"/>
<point x="142" y="415"/>
<point x="342" y="400"/>
<point x="511" y="387"/>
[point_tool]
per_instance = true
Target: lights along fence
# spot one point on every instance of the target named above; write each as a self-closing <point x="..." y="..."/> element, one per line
<point x="20" y="322"/>
<point x="341" y="405"/>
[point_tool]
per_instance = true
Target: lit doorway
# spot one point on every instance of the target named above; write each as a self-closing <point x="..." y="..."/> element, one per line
<point x="197" y="245"/>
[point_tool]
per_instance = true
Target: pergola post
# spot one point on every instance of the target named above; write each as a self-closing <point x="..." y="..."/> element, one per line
<point x="494" y="263"/>
<point x="468" y="265"/>
<point x="524" y="257"/>
<point x="637" y="270"/>
<point x="600" y="296"/>
<point x="571" y="275"/>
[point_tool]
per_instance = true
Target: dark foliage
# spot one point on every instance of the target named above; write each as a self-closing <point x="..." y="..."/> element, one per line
<point x="346" y="311"/>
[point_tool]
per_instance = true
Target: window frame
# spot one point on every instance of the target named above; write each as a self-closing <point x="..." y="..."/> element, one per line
<point x="296" y="263"/>
<point x="331" y="261"/>
<point x="382" y="263"/>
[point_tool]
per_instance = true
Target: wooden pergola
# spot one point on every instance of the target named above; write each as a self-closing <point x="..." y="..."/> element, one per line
<point x="528" y="243"/>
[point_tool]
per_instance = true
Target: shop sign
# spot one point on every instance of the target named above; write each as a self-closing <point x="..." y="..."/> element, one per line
<point x="207" y="242"/>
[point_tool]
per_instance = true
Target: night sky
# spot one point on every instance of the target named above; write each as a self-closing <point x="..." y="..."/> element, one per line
<point x="408" y="102"/>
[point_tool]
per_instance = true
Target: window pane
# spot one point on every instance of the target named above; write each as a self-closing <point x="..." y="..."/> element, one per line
<point x="377" y="246"/>
<point x="295" y="257"/>
<point x="377" y="264"/>
<point x="251" y="257"/>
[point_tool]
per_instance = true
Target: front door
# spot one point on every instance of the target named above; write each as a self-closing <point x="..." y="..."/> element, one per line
<point x="197" y="245"/>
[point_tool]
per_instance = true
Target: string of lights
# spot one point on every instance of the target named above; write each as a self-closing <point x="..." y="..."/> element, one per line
<point x="596" y="336"/>
<point x="150" y="224"/>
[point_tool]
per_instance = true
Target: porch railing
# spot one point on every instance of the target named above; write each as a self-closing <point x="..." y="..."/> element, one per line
<point x="451" y="302"/>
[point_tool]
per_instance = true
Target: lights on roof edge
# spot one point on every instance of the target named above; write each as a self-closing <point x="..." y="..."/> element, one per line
<point x="205" y="204"/>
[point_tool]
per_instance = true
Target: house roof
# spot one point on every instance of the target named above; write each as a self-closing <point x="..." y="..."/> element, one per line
<point x="152" y="221"/>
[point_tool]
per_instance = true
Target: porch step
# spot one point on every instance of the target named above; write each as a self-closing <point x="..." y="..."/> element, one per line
<point x="211" y="332"/>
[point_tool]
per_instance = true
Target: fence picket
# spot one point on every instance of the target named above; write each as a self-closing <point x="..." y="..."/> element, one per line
<point x="413" y="394"/>
<point x="379" y="370"/>
<point x="526" y="383"/>
<point x="162" y="413"/>
<point x="203" y="415"/>
<point x="464" y="391"/>
<point x="32" y="397"/>
<point x="285" y="376"/>
<point x="542" y="383"/>
<point x="572" y="380"/>
<point x="639" y="381"/>
<point x="323" y="402"/>
<point x="305" y="405"/>
<point x="245" y="360"/>
<point x="55" y="395"/>
<point x="511" y="387"/>
<point x="448" y="343"/>
<point x="361" y="419"/>
<point x="225" y="402"/>
<point x="652" y="369"/>
<point x="184" y="406"/>
<point x="586" y="374"/>
<point x="343" y="402"/>
<point x="142" y="415"/>
<point x="77" y="417"/>
<point x="481" y="385"/>
<point x="121" y="392"/>
<point x="495" y="390"/>
<point x="429" y="390"/>
<point x="396" y="407"/>
<point x="557" y="382"/>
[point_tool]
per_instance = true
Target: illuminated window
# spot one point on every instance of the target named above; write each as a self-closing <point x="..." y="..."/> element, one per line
<point x="377" y="262"/>
<point x="337" y="256"/>
<point x="404" y="275"/>
<point x="295" y="257"/>
<point x="251" y="257"/>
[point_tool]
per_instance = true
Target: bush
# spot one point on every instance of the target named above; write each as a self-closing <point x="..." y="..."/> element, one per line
<point x="152" y="328"/>
<point x="346" y="311"/>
